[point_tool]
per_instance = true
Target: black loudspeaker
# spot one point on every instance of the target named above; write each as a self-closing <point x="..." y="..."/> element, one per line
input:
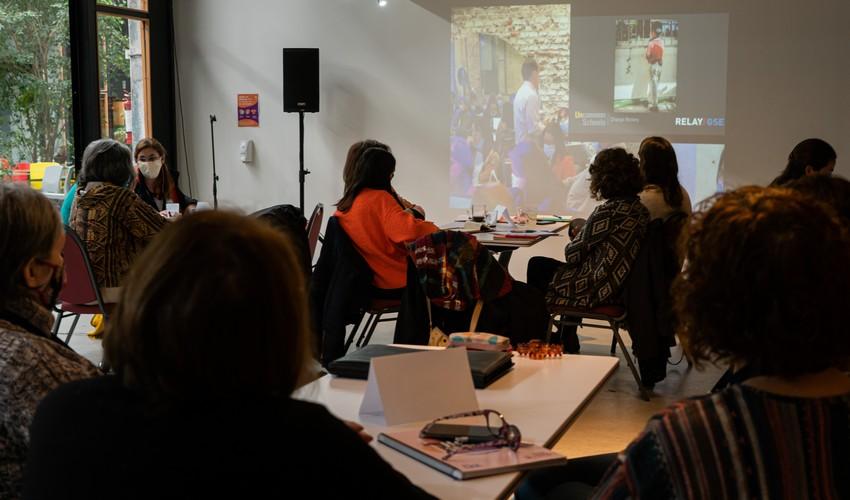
<point x="301" y="80"/>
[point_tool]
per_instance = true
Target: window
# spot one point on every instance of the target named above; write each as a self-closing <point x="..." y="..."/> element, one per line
<point x="123" y="68"/>
<point x="35" y="88"/>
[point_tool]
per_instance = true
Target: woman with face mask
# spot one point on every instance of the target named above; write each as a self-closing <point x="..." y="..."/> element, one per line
<point x="109" y="217"/>
<point x="33" y="361"/>
<point x="154" y="183"/>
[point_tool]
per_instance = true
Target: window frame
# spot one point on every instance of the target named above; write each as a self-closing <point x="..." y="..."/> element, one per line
<point x="159" y="63"/>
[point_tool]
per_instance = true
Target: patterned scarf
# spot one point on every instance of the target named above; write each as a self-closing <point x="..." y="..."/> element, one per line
<point x="456" y="270"/>
<point x="31" y="311"/>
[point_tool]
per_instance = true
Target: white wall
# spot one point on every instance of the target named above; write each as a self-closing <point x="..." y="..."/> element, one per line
<point x="384" y="75"/>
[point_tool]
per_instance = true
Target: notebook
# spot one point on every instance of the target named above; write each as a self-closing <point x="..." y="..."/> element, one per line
<point x="486" y="366"/>
<point x="470" y="464"/>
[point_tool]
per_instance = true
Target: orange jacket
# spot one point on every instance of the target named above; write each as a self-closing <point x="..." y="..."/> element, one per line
<point x="379" y="227"/>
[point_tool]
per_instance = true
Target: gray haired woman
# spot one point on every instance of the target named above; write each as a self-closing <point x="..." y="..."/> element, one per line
<point x="33" y="361"/>
<point x="110" y="218"/>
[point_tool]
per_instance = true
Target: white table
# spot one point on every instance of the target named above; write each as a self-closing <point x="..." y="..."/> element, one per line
<point x="541" y="397"/>
<point x="506" y="248"/>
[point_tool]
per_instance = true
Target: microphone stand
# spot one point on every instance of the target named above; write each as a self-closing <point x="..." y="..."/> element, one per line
<point x="302" y="172"/>
<point x="215" y="175"/>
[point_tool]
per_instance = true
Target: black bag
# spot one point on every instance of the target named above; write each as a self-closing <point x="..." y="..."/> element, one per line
<point x="486" y="366"/>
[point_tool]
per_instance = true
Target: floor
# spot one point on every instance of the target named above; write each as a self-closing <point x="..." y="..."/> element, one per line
<point x="612" y="419"/>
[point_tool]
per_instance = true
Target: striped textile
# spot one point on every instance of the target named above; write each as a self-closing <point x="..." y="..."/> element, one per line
<point x="739" y="443"/>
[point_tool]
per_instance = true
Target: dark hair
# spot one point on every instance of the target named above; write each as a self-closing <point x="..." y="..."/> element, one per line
<point x="354" y="153"/>
<point x="29" y="226"/>
<point x="614" y="173"/>
<point x="173" y="340"/>
<point x="166" y="182"/>
<point x="554" y="130"/>
<point x="815" y="153"/>
<point x="106" y="160"/>
<point x="374" y="170"/>
<point x="834" y="191"/>
<point x="660" y="168"/>
<point x="766" y="283"/>
<point x="529" y="67"/>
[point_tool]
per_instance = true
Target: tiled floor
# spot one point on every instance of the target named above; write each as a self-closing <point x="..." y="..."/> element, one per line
<point x="610" y="421"/>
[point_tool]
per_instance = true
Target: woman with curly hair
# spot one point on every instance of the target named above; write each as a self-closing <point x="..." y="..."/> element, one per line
<point x="600" y="257"/>
<point x="743" y="299"/>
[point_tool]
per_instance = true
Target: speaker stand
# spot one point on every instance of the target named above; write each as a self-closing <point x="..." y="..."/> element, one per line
<point x="215" y="174"/>
<point x="302" y="172"/>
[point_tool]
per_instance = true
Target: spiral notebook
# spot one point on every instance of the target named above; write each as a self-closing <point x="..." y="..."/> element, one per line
<point x="470" y="464"/>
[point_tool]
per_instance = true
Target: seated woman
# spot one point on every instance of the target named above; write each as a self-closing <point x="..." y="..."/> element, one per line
<point x="355" y="152"/>
<point x="32" y="360"/>
<point x="374" y="217"/>
<point x="662" y="195"/>
<point x="114" y="222"/>
<point x="783" y="433"/>
<point x="810" y="157"/>
<point x="598" y="260"/>
<point x="154" y="183"/>
<point x="203" y="387"/>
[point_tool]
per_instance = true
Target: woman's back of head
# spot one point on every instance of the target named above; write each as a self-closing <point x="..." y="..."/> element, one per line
<point x="29" y="226"/>
<point x="814" y="154"/>
<point x="106" y="160"/>
<point x="214" y="308"/>
<point x="373" y="170"/>
<point x="834" y="191"/>
<point x="766" y="283"/>
<point x="660" y="167"/>
<point x="614" y="173"/>
<point x="353" y="157"/>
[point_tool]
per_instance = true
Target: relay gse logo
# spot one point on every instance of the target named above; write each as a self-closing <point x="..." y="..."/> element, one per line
<point x="682" y="121"/>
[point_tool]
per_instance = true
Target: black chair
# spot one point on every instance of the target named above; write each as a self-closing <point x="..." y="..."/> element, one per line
<point x="376" y="310"/>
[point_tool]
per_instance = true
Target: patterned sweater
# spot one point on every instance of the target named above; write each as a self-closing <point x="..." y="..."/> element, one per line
<point x="599" y="259"/>
<point x="739" y="443"/>
<point x="116" y="225"/>
<point x="31" y="365"/>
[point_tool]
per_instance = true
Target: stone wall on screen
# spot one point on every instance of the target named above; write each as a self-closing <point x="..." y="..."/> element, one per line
<point x="539" y="32"/>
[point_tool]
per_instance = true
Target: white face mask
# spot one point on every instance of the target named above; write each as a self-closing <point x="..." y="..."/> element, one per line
<point x="150" y="169"/>
<point x="549" y="150"/>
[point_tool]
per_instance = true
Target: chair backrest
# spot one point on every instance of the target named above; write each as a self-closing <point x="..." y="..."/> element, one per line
<point x="50" y="182"/>
<point x="81" y="287"/>
<point x="313" y="228"/>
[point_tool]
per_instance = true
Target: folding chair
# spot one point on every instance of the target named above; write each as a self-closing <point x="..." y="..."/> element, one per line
<point x="607" y="317"/>
<point x="313" y="228"/>
<point x="377" y="308"/>
<point x="80" y="295"/>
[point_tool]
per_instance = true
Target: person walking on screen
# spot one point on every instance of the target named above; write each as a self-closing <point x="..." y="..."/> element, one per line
<point x="527" y="104"/>
<point x="654" y="56"/>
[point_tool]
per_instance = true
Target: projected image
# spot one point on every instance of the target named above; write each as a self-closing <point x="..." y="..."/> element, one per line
<point x="700" y="172"/>
<point x="645" y="65"/>
<point x="510" y="74"/>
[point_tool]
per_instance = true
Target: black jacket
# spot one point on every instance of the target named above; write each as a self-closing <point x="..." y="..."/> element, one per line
<point x="224" y="448"/>
<point x="339" y="291"/>
<point x="648" y="300"/>
<point x="290" y="220"/>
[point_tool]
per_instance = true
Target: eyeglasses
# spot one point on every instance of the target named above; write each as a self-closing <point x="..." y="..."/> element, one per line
<point x="503" y="434"/>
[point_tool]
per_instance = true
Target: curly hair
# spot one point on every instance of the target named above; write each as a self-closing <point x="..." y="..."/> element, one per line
<point x="615" y="173"/>
<point x="766" y="283"/>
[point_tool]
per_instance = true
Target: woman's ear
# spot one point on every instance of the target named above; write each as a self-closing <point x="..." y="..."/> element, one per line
<point x="34" y="274"/>
<point x="809" y="170"/>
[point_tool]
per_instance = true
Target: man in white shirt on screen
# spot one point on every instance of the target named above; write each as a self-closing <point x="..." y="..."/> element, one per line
<point x="655" y="58"/>
<point x="527" y="104"/>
